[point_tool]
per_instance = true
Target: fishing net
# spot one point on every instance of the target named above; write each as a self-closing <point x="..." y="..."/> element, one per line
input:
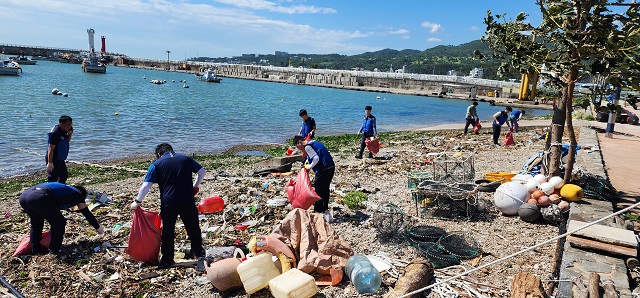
<point x="460" y="245"/>
<point x="390" y="220"/>
<point x="454" y="167"/>
<point x="597" y="187"/>
<point x="436" y="255"/>
<point x="425" y="234"/>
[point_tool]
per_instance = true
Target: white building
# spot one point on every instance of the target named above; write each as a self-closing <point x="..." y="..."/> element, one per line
<point x="476" y="73"/>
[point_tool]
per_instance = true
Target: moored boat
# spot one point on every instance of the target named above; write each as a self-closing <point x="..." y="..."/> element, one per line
<point x="24" y="60"/>
<point x="209" y="75"/>
<point x="11" y="68"/>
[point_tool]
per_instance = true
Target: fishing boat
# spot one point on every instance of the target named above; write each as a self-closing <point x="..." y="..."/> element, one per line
<point x="92" y="63"/>
<point x="9" y="69"/>
<point x="209" y="75"/>
<point x="24" y="60"/>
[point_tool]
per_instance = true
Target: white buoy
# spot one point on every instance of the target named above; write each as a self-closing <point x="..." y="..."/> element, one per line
<point x="55" y="91"/>
<point x="65" y="95"/>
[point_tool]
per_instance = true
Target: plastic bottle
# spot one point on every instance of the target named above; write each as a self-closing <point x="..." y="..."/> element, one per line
<point x="364" y="276"/>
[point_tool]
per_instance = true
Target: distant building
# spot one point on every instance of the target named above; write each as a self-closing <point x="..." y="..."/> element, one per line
<point x="476" y="73"/>
<point x="454" y="73"/>
<point x="280" y="53"/>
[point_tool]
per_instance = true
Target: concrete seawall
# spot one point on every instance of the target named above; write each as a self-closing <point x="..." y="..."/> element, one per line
<point x="408" y="84"/>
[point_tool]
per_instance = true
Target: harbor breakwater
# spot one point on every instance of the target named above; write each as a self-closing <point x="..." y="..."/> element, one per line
<point x="385" y="82"/>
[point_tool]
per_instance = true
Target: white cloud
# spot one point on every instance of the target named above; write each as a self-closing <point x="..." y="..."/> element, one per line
<point x="399" y="32"/>
<point x="433" y="39"/>
<point x="473" y="28"/>
<point x="433" y="27"/>
<point x="273" y="7"/>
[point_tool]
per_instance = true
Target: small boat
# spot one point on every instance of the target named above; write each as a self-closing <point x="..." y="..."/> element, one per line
<point x="24" y="60"/>
<point x="92" y="64"/>
<point x="209" y="76"/>
<point x="10" y="68"/>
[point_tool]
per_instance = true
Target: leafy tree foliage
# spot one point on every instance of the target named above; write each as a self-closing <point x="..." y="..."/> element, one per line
<point x="576" y="38"/>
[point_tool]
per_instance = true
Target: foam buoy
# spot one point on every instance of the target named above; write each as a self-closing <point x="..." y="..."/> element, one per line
<point x="571" y="192"/>
<point x="509" y="196"/>
<point x="223" y="274"/>
<point x="528" y="212"/>
<point x="546" y="188"/>
<point x="65" y="95"/>
<point x="55" y="91"/>
<point x="556" y="181"/>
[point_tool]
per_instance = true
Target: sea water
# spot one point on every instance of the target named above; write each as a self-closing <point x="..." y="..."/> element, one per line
<point x="121" y="114"/>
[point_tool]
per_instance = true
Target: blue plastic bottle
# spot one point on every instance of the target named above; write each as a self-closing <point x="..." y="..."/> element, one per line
<point x="363" y="275"/>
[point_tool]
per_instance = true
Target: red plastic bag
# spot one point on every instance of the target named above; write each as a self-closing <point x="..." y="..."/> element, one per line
<point x="300" y="191"/>
<point x="25" y="247"/>
<point x="145" y="236"/>
<point x="477" y="127"/>
<point x="508" y="141"/>
<point x="373" y="145"/>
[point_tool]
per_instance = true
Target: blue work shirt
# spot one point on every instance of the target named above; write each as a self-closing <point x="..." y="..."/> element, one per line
<point x="65" y="195"/>
<point x="369" y="125"/>
<point x="307" y="127"/>
<point x="173" y="173"/>
<point x="60" y="139"/>
<point x="502" y="118"/>
<point x="325" y="159"/>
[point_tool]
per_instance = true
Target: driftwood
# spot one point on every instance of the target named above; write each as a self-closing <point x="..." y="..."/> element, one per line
<point x="527" y="285"/>
<point x="594" y="285"/>
<point x="609" y="289"/>
<point x="582" y="291"/>
<point x="610" y="248"/>
<point x="418" y="274"/>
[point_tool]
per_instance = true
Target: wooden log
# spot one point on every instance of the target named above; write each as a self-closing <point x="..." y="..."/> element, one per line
<point x="582" y="291"/>
<point x="609" y="289"/>
<point x="418" y="274"/>
<point x="594" y="284"/>
<point x="610" y="248"/>
<point x="527" y="285"/>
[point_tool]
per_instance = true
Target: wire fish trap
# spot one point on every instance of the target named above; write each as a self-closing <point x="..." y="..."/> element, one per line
<point x="415" y="178"/>
<point x="460" y="245"/>
<point x="425" y="234"/>
<point x="389" y="219"/>
<point x="441" y="200"/>
<point x="454" y="167"/>
<point x="437" y="256"/>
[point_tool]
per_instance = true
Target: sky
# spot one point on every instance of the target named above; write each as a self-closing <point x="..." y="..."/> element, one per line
<point x="227" y="28"/>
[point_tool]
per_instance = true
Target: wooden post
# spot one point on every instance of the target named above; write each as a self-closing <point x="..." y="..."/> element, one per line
<point x="609" y="289"/>
<point x="527" y="285"/>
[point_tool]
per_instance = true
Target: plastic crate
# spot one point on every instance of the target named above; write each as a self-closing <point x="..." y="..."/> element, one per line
<point x="495" y="176"/>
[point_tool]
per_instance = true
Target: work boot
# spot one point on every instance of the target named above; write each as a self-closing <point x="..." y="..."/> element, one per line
<point x="370" y="155"/>
<point x="165" y="264"/>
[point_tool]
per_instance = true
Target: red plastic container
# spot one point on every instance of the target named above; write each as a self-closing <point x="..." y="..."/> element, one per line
<point x="211" y="205"/>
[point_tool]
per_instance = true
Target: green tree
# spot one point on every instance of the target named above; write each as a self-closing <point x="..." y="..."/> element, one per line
<point x="576" y="38"/>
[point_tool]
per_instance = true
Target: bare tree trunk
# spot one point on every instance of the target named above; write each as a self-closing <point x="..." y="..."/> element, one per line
<point x="557" y="130"/>
<point x="573" y="143"/>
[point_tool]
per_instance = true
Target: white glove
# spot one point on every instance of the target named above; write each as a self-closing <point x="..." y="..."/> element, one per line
<point x="308" y="167"/>
<point x="100" y="230"/>
<point x="135" y="205"/>
<point x="50" y="167"/>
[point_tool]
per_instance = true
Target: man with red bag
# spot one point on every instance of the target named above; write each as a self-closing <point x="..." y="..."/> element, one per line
<point x="172" y="172"/>
<point x="471" y="117"/>
<point x="320" y="160"/>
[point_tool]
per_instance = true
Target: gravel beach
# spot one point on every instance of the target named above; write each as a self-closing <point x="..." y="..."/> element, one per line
<point x="384" y="179"/>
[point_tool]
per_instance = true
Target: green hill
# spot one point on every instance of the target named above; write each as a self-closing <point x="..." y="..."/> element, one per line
<point x="436" y="60"/>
